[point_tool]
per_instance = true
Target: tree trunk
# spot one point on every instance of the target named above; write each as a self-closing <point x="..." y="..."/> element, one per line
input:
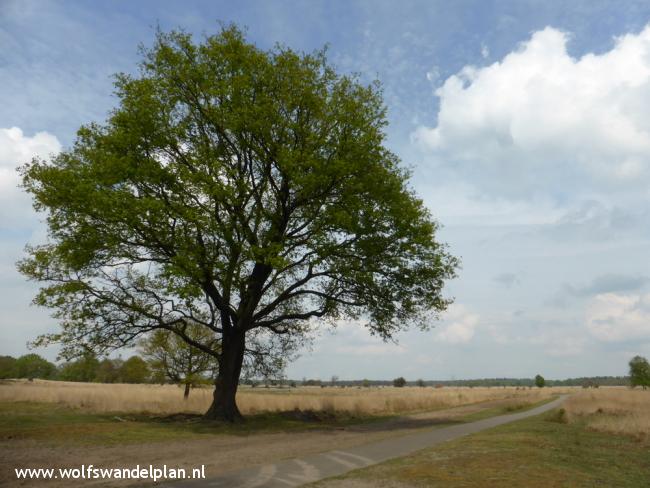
<point x="186" y="395"/>
<point x="224" y="405"/>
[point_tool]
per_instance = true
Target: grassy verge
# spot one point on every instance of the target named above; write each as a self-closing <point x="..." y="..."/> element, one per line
<point x="58" y="424"/>
<point x="541" y="451"/>
<point x="514" y="407"/>
<point x="55" y="424"/>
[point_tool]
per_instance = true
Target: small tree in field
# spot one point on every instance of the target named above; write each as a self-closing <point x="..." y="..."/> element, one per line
<point x="420" y="383"/>
<point x="171" y="357"/>
<point x="34" y="366"/>
<point x="399" y="382"/>
<point x="540" y="381"/>
<point x="246" y="191"/>
<point x="639" y="372"/>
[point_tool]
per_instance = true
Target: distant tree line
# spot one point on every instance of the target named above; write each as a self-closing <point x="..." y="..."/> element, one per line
<point x="591" y="381"/>
<point x="165" y="362"/>
<point x="85" y="369"/>
<point x="163" y="359"/>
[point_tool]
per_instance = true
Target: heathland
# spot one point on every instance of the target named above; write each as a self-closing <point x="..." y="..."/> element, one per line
<point x="599" y="436"/>
<point x="45" y="423"/>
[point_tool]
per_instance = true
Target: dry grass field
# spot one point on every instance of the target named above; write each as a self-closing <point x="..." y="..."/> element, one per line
<point x="600" y="437"/>
<point x="613" y="410"/>
<point x="168" y="399"/>
<point x="44" y="423"/>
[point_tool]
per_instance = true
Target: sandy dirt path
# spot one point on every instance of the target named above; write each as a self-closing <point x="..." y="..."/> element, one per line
<point x="310" y="468"/>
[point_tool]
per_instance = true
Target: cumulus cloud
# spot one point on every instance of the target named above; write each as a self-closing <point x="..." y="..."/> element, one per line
<point x="613" y="317"/>
<point x="16" y="149"/>
<point x="542" y="122"/>
<point x="459" y="325"/>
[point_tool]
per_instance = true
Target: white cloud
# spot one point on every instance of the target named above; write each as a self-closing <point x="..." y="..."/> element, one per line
<point x="540" y="122"/>
<point x="15" y="150"/>
<point x="613" y="317"/>
<point x="459" y="325"/>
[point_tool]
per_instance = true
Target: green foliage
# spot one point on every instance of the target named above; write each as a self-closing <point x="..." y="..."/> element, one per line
<point x="134" y="370"/>
<point x="108" y="371"/>
<point x="639" y="372"/>
<point x="171" y="358"/>
<point x="247" y="191"/>
<point x="7" y="367"/>
<point x="540" y="381"/>
<point x="83" y="369"/>
<point x="420" y="383"/>
<point x="34" y="366"/>
<point x="399" y="382"/>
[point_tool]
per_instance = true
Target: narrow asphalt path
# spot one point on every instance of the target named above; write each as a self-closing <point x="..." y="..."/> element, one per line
<point x="299" y="471"/>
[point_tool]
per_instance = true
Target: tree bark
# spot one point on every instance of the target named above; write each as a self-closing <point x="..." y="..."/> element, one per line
<point x="187" y="391"/>
<point x="224" y="405"/>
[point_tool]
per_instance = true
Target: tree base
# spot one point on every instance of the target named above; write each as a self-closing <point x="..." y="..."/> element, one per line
<point x="224" y="413"/>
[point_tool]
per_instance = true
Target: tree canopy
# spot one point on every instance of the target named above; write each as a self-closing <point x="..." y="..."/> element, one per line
<point x="84" y="369"/>
<point x="34" y="366"/>
<point x="171" y="358"/>
<point x="7" y="367"/>
<point x="639" y="372"/>
<point x="244" y="190"/>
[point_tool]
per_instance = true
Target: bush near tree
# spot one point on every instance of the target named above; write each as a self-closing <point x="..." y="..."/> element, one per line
<point x="399" y="382"/>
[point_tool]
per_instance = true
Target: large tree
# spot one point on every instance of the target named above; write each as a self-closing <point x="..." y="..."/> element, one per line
<point x="244" y="190"/>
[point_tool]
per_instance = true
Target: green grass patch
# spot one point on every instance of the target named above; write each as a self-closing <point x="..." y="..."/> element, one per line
<point x="56" y="424"/>
<point x="514" y="407"/>
<point x="540" y="451"/>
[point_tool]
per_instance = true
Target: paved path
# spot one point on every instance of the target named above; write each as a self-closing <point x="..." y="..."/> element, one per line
<point x="299" y="471"/>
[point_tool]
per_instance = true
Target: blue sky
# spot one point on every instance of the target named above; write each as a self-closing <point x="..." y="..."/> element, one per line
<point x="526" y="125"/>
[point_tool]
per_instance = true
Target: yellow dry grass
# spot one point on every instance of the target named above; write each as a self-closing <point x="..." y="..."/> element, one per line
<point x="614" y="410"/>
<point x="169" y="399"/>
